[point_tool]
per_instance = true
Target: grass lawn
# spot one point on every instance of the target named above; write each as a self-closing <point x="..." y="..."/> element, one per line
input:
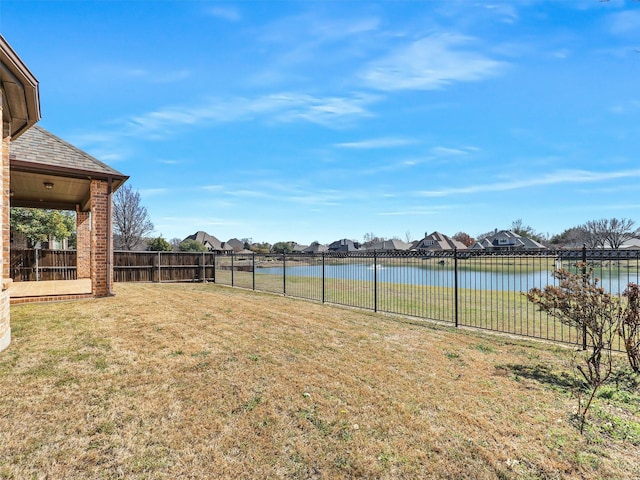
<point x="203" y="381"/>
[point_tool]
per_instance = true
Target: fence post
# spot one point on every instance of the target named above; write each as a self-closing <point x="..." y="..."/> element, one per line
<point x="214" y="256"/>
<point x="37" y="262"/>
<point x="253" y="271"/>
<point x="455" y="284"/>
<point x="232" y="268"/>
<point x="375" y="281"/>
<point x="284" y="274"/>
<point x="159" y="271"/>
<point x="322" y="277"/>
<point x="584" y="281"/>
<point x="203" y="270"/>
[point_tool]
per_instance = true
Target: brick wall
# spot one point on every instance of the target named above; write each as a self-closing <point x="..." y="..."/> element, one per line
<point x="101" y="251"/>
<point x="5" y="258"/>
<point x="83" y="245"/>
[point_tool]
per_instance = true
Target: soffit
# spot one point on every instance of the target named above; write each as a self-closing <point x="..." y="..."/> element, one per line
<point x="21" y="100"/>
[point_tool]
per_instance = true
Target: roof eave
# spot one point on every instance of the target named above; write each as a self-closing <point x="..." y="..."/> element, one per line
<point x="28" y="166"/>
<point x="21" y="89"/>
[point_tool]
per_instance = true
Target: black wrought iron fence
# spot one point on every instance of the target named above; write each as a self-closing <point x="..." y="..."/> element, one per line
<point x="475" y="289"/>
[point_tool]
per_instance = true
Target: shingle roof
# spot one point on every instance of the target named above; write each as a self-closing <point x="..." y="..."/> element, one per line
<point x="42" y="147"/>
<point x="393" y="244"/>
<point x="439" y="241"/>
<point x="315" y="247"/>
<point x="511" y="240"/>
<point x="204" y="237"/>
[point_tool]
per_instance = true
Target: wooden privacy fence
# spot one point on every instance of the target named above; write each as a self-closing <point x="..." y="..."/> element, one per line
<point x="29" y="265"/>
<point x="163" y="266"/>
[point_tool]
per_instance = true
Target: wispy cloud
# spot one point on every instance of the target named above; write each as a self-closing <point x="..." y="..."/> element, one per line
<point x="115" y="72"/>
<point x="153" y="192"/>
<point x="507" y="13"/>
<point x="374" y="143"/>
<point x="629" y="106"/>
<point x="213" y="188"/>
<point x="626" y="22"/>
<point x="416" y="211"/>
<point x="226" y="13"/>
<point x="431" y="63"/>
<point x="281" y="107"/>
<point x="202" y="222"/>
<point x="560" y="177"/>
<point x="448" y="151"/>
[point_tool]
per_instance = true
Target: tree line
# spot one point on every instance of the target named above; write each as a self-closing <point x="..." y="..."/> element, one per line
<point x="132" y="227"/>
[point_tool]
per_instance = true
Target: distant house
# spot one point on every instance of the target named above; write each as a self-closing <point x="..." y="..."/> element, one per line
<point x="632" y="243"/>
<point x="506" y="240"/>
<point x="394" y="245"/>
<point x="439" y="241"/>
<point x="234" y="244"/>
<point x="315" y="247"/>
<point x="344" y="245"/>
<point x="297" y="248"/>
<point x="210" y="242"/>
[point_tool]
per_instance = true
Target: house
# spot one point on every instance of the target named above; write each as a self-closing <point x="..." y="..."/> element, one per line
<point x="315" y="247"/>
<point x="210" y="242"/>
<point x="234" y="244"/>
<point x="297" y="248"/>
<point x="631" y="243"/>
<point x="393" y="245"/>
<point x="344" y="245"/>
<point x="506" y="240"/>
<point x="437" y="242"/>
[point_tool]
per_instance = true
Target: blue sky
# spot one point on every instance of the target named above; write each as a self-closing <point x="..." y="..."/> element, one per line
<point x="320" y="120"/>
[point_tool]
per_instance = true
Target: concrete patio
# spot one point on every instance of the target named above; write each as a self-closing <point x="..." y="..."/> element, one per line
<point x="49" y="290"/>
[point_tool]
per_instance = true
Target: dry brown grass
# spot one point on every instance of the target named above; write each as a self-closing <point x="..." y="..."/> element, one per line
<point x="203" y="381"/>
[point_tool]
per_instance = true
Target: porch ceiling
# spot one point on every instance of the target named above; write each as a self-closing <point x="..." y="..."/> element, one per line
<point x="28" y="190"/>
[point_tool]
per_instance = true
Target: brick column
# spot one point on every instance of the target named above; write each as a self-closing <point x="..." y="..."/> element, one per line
<point x="5" y="258"/>
<point x="101" y="251"/>
<point x="83" y="244"/>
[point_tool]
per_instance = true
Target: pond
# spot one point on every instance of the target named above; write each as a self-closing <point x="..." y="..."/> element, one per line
<point x="614" y="281"/>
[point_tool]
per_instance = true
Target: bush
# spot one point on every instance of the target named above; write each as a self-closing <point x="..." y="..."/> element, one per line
<point x="192" y="246"/>
<point x="630" y="326"/>
<point x="159" y="245"/>
<point x="579" y="302"/>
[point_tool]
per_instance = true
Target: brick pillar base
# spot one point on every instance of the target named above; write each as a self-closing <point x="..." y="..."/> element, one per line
<point x="101" y="251"/>
<point x="83" y="245"/>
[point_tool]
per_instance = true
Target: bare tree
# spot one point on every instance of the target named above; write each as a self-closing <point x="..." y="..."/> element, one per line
<point x="370" y="238"/>
<point x="573" y="237"/>
<point x="619" y="231"/>
<point x="579" y="302"/>
<point x="130" y="219"/>
<point x="594" y="234"/>
<point x="608" y="232"/>
<point x="175" y="243"/>
<point x="518" y="227"/>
